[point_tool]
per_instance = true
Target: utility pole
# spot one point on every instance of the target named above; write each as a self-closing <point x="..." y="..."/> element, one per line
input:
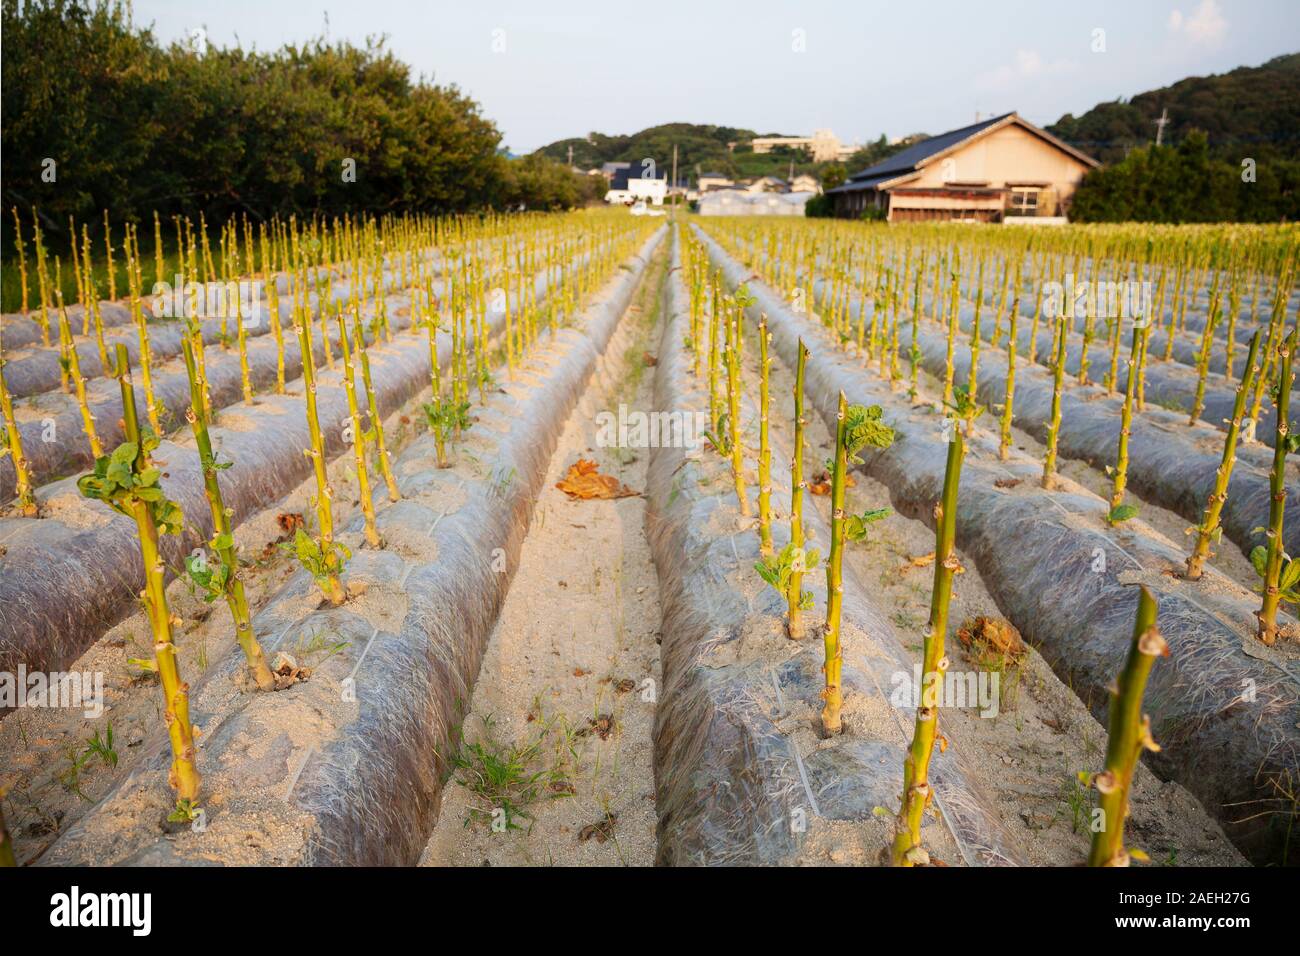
<point x="1160" y="124"/>
<point x="570" y="155"/>
<point x="674" y="183"/>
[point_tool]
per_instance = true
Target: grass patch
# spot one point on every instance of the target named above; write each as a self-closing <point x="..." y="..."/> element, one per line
<point x="506" y="778"/>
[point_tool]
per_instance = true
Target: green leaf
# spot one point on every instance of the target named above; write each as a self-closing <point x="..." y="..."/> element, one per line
<point x="212" y="579"/>
<point x="1290" y="575"/>
<point x="855" y="526"/>
<point x="119" y="473"/>
<point x="124" y="454"/>
<point x="185" y="811"/>
<point x="864" y="427"/>
<point x="94" y="487"/>
<point x="1259" y="558"/>
<point x="1121" y="513"/>
<point x="169" y="517"/>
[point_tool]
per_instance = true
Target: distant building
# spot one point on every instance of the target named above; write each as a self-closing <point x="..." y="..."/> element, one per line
<point x="711" y="181"/>
<point x="1003" y="169"/>
<point x="767" y="184"/>
<point x="683" y="189"/>
<point x="805" y="183"/>
<point x="823" y="145"/>
<point x="736" y="202"/>
<point x="608" y="170"/>
<point x="629" y="185"/>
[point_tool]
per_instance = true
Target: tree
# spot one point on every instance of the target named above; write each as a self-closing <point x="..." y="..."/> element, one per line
<point x="1183" y="183"/>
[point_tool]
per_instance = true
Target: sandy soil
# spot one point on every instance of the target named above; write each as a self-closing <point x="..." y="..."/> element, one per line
<point x="1030" y="753"/>
<point x="50" y="778"/>
<point x="568" y="683"/>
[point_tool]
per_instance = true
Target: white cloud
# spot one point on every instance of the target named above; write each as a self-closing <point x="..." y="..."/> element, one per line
<point x="1027" y="65"/>
<point x="1206" y="24"/>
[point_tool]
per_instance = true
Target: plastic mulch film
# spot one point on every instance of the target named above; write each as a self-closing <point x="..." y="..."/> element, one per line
<point x="20" y="330"/>
<point x="69" y="451"/>
<point x="1169" y="384"/>
<point x="1224" y="711"/>
<point x="1170" y="463"/>
<point x="740" y="777"/>
<point x="71" y="575"/>
<point x="1187" y="341"/>
<point x="348" y="768"/>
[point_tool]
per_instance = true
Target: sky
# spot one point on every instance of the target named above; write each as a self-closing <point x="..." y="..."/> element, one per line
<point x="545" y="71"/>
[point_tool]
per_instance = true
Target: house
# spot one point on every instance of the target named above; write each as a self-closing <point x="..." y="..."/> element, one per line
<point x="767" y="184"/>
<point x="805" y="183"/>
<point x="709" y="181"/>
<point x="631" y="184"/>
<point x="1000" y="170"/>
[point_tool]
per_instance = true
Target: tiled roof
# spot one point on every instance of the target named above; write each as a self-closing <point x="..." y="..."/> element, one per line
<point x="908" y="159"/>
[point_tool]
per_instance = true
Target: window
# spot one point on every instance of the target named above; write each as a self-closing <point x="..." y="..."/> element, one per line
<point x="1024" y="202"/>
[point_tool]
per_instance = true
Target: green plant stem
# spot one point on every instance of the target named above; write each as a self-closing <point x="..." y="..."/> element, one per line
<point x="358" y="437"/>
<point x="1120" y="484"/>
<point x="79" y="383"/>
<point x="1267" y="614"/>
<point x="184" y="775"/>
<point x="972" y="381"/>
<point x="954" y="308"/>
<point x="917" y="793"/>
<point x="1129" y="734"/>
<point x="1054" y="426"/>
<point x="764" y="447"/>
<point x="715" y="403"/>
<point x="1203" y="356"/>
<point x="833" y="694"/>
<point x="794" y="624"/>
<point x="1009" y="398"/>
<point x="376" y="422"/>
<point x="223" y="538"/>
<point x="14" y="443"/>
<point x="1206" y="533"/>
<point x="330" y="585"/>
<point x="915" y="354"/>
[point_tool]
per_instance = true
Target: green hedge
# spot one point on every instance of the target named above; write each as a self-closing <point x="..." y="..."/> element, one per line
<point x="1184" y="183"/>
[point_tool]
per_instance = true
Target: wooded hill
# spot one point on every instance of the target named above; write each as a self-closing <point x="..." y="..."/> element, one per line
<point x="1250" y="111"/>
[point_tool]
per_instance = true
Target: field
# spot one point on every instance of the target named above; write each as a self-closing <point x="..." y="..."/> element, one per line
<point x="586" y="538"/>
